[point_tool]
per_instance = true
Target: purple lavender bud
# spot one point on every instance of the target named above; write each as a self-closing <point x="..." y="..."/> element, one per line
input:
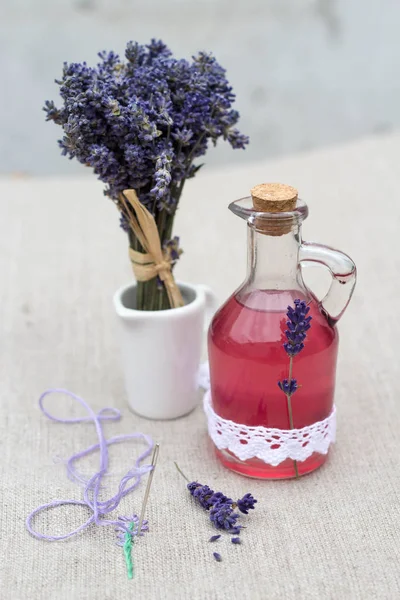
<point x="293" y="349"/>
<point x="246" y="503"/>
<point x="172" y="249"/>
<point x="223" y="517"/>
<point x="221" y="498"/>
<point x="124" y="223"/>
<point x="192" y="486"/>
<point x="288" y="388"/>
<point x="217" y="556"/>
<point x="214" y="538"/>
<point x="236" y="540"/>
<point x="297" y="325"/>
<point x="203" y="495"/>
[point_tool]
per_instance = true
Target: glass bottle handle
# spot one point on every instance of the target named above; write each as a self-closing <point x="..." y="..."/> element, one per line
<point x="343" y="272"/>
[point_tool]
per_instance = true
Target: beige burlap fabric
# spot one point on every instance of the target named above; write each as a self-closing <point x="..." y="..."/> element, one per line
<point x="332" y="535"/>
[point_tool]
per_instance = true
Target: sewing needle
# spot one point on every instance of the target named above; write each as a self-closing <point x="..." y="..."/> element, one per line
<point x="147" y="492"/>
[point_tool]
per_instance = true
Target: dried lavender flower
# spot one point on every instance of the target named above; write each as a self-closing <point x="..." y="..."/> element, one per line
<point x="214" y="538"/>
<point x="221" y="508"/>
<point x="236" y="540"/>
<point x="223" y="516"/>
<point x="172" y="250"/>
<point x="192" y="485"/>
<point x="203" y="495"/>
<point x="246" y="503"/>
<point x="217" y="556"/>
<point x="124" y="223"/>
<point x="297" y="325"/>
<point x="220" y="497"/>
<point x="140" y="122"/>
<point x="288" y="387"/>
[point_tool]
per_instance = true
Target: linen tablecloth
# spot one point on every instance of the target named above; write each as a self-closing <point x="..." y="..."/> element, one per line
<point x="331" y="535"/>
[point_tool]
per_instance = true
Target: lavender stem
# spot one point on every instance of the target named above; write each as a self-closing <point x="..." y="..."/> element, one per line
<point x="181" y="472"/>
<point x="289" y="405"/>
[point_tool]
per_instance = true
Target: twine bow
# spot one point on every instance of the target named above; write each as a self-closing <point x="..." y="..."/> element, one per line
<point x="154" y="262"/>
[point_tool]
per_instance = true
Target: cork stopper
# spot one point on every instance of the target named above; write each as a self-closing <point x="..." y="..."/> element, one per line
<point x="274" y="198"/>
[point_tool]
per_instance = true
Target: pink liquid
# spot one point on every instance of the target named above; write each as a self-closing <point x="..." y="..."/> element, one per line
<point x="247" y="360"/>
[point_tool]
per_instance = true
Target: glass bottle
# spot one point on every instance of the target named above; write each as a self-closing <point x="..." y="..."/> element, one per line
<point x="246" y="336"/>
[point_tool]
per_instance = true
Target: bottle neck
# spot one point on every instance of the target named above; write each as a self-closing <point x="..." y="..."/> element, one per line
<point x="273" y="259"/>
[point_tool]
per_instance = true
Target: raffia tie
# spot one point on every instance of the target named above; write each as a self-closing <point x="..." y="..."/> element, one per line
<point x="154" y="262"/>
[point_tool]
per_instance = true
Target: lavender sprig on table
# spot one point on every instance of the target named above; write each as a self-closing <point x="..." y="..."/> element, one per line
<point x="298" y="324"/>
<point x="221" y="508"/>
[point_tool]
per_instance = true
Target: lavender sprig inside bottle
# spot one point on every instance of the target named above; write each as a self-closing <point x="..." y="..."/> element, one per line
<point x="298" y="324"/>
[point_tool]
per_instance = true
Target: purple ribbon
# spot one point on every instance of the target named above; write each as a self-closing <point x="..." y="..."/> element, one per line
<point x="92" y="486"/>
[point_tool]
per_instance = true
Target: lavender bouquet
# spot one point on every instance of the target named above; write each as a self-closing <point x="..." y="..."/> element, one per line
<point x="141" y="123"/>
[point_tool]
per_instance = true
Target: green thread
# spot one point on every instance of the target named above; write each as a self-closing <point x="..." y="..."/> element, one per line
<point x="128" y="551"/>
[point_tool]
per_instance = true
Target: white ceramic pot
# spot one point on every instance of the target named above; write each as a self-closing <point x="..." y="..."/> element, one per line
<point x="161" y="351"/>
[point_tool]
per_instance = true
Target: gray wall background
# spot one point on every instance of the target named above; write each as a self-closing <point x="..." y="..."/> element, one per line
<point x="306" y="72"/>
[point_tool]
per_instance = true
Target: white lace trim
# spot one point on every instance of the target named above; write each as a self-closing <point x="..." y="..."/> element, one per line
<point x="272" y="446"/>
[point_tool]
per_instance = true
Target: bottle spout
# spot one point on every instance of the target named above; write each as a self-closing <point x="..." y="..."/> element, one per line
<point x="243" y="208"/>
<point x="268" y="198"/>
<point x="263" y="220"/>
